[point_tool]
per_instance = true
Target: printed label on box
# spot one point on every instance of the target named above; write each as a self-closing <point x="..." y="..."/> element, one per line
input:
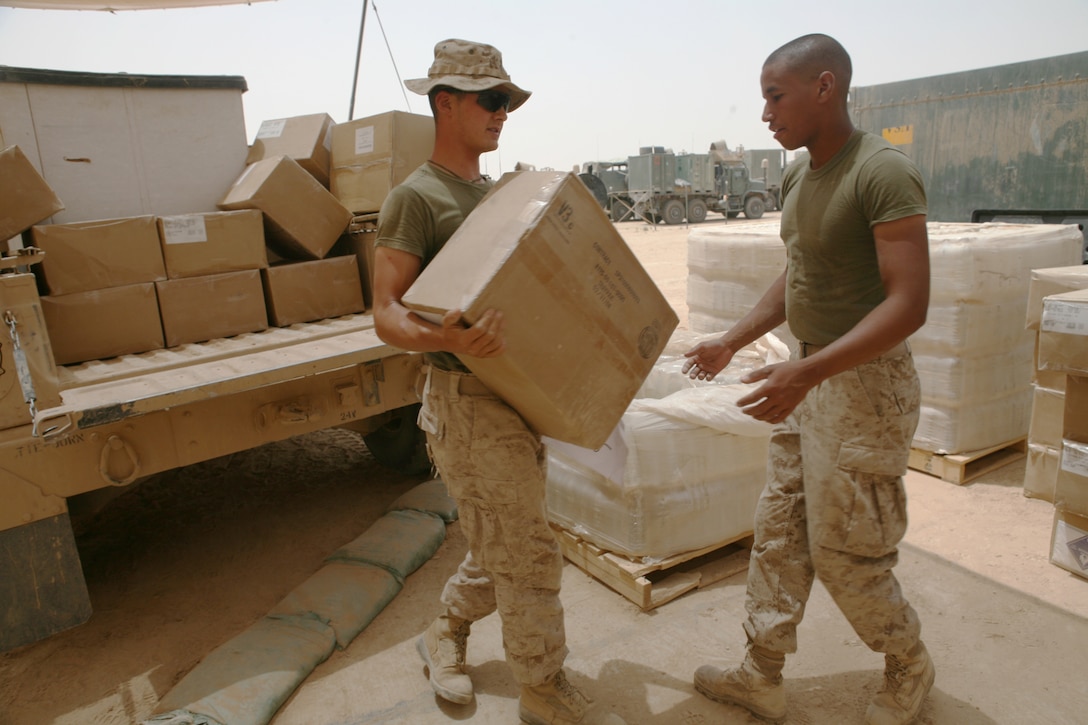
<point x="1075" y="458"/>
<point x="1071" y="319"/>
<point x="185" y="229"/>
<point x="272" y="129"/>
<point x="364" y="140"/>
<point x="1079" y="549"/>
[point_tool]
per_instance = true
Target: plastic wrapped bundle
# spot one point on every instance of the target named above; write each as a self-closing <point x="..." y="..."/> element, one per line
<point x="682" y="471"/>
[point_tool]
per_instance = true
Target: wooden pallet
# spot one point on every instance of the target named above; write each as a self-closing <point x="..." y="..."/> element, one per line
<point x="652" y="584"/>
<point x="963" y="467"/>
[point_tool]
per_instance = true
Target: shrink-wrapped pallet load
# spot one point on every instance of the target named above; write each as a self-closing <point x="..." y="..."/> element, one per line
<point x="683" y="470"/>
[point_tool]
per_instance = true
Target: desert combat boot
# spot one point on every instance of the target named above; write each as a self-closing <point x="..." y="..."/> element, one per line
<point x="557" y="702"/>
<point x="907" y="681"/>
<point x="442" y="646"/>
<point x="756" y="685"/>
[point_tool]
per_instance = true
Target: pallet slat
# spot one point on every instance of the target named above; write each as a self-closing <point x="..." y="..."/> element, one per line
<point x="651" y="584"/>
<point x="960" y="468"/>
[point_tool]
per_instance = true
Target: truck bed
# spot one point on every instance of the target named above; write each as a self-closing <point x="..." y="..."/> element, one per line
<point x="98" y="391"/>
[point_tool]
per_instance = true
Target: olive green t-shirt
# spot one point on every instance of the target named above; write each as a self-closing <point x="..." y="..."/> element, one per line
<point x="420" y="215"/>
<point x="832" y="277"/>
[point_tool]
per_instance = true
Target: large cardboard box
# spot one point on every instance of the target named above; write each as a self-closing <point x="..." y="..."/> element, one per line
<point x="25" y="197"/>
<point x="1052" y="281"/>
<point x="306" y="139"/>
<point x="103" y="323"/>
<point x="372" y="155"/>
<point x="1069" y="542"/>
<point x="91" y="255"/>
<point x="220" y="241"/>
<point x="302" y="220"/>
<point x="306" y="291"/>
<point x="1063" y="333"/>
<point x="19" y="297"/>
<point x="195" y="309"/>
<point x="584" y="322"/>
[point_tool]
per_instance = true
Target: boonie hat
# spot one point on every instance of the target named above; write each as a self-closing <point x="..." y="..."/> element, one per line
<point x="469" y="67"/>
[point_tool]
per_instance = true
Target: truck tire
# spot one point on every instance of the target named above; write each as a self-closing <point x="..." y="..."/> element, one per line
<point x="673" y="211"/>
<point x="754" y="207"/>
<point x="696" y="211"/>
<point x="619" y="211"/>
<point x="400" y="444"/>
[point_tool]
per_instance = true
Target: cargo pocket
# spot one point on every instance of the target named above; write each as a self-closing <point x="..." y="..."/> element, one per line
<point x="872" y="510"/>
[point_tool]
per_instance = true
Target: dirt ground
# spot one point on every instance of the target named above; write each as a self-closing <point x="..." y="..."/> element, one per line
<point x="189" y="559"/>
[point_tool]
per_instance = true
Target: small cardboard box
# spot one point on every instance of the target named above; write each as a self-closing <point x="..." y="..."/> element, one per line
<point x="306" y="139"/>
<point x="1052" y="281"/>
<point x="1041" y="471"/>
<point x="93" y="255"/>
<point x="25" y="197"/>
<point x="1063" y="334"/>
<point x="302" y="220"/>
<point x="194" y="245"/>
<point x="1047" y="413"/>
<point x="372" y="155"/>
<point x="584" y="322"/>
<point x="1069" y="542"/>
<point x="19" y="296"/>
<point x="1052" y="379"/>
<point x="1071" y="487"/>
<point x="306" y="291"/>
<point x="103" y="323"/>
<point x="360" y="244"/>
<point x="195" y="309"/>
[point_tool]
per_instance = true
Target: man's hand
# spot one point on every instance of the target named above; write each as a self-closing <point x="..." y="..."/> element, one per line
<point x="785" y="387"/>
<point x="706" y="360"/>
<point x="483" y="339"/>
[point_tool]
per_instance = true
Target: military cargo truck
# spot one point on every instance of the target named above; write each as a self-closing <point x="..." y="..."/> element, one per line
<point x="73" y="432"/>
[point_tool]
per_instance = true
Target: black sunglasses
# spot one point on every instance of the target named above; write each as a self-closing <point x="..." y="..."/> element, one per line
<point x="492" y="101"/>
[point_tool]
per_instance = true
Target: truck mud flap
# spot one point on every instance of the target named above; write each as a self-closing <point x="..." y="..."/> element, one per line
<point x="248" y="678"/>
<point x="41" y="582"/>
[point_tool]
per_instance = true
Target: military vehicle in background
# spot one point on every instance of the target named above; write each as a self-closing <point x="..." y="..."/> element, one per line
<point x="1004" y="143"/>
<point x="659" y="185"/>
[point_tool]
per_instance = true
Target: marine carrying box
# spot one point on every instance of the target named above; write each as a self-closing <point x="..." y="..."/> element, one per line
<point x="584" y="322"/>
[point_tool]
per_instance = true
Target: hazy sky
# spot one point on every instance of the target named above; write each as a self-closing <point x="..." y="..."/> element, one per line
<point x="607" y="76"/>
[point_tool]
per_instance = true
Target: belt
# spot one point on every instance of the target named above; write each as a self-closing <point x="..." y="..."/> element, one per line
<point x="456" y="382"/>
<point x="807" y="348"/>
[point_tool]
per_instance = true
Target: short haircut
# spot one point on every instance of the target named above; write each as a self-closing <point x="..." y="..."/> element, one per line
<point x="811" y="55"/>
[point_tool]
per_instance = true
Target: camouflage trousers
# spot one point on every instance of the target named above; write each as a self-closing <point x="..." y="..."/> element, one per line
<point x="834" y="507"/>
<point x="494" y="467"/>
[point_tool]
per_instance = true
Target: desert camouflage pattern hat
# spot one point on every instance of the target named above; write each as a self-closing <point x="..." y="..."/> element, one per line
<point x="470" y="67"/>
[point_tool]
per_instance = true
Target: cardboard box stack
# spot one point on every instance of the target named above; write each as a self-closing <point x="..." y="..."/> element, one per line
<point x="1063" y="348"/>
<point x="99" y="282"/>
<point x="372" y="155"/>
<point x="1048" y="402"/>
<point x="585" y="323"/>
